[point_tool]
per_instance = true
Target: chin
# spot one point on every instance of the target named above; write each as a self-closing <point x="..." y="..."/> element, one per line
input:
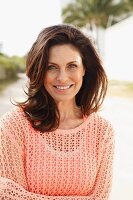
<point x="64" y="99"/>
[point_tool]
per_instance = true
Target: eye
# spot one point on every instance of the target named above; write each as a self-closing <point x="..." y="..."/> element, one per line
<point x="52" y="67"/>
<point x="72" y="66"/>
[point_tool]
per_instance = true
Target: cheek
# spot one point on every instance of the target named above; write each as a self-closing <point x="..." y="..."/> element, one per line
<point x="78" y="76"/>
<point x="48" y="78"/>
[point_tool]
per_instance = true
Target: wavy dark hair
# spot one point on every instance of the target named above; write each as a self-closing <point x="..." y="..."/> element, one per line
<point x="40" y="108"/>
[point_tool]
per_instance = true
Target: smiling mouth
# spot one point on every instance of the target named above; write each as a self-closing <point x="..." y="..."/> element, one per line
<point x="61" y="87"/>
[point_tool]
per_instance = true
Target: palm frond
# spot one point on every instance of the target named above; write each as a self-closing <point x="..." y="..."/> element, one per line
<point x="82" y="12"/>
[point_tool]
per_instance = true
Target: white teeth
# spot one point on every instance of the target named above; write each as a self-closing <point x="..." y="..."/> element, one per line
<point x="62" y="87"/>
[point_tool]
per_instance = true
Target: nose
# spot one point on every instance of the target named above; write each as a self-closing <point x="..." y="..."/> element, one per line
<point x="62" y="76"/>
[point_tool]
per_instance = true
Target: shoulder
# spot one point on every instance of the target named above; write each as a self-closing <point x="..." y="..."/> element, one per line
<point x="13" y="124"/>
<point x="102" y="121"/>
<point x="97" y="119"/>
<point x="13" y="116"/>
<point x="101" y="126"/>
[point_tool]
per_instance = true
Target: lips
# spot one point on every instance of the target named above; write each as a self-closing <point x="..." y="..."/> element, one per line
<point x="62" y="87"/>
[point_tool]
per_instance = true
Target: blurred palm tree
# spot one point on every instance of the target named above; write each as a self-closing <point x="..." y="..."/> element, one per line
<point x="95" y="14"/>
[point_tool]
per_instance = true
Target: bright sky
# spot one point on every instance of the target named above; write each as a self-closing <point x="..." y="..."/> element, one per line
<point x="22" y="20"/>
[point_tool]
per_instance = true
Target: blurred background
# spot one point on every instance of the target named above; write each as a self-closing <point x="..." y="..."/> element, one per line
<point x="109" y="23"/>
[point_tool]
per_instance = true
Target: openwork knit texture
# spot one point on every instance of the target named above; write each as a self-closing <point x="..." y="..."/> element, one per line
<point x="73" y="164"/>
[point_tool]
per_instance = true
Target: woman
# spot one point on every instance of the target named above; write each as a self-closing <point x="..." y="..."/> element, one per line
<point x="55" y="145"/>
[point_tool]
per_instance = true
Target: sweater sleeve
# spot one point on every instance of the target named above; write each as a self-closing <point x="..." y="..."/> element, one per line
<point x="13" y="183"/>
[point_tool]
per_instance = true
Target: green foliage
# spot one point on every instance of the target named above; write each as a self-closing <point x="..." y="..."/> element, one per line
<point x="84" y="12"/>
<point x="20" y="63"/>
<point x="7" y="67"/>
<point x="131" y="3"/>
<point x="10" y="66"/>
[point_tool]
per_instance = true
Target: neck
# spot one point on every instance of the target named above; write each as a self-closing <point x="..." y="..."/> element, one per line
<point x="68" y="110"/>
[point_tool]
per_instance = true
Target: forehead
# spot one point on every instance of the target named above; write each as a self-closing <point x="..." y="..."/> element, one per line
<point x="64" y="52"/>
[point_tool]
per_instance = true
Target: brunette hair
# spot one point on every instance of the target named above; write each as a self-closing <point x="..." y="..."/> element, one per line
<point x="40" y="108"/>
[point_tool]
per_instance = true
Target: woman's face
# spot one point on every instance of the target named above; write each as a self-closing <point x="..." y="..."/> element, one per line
<point x="65" y="72"/>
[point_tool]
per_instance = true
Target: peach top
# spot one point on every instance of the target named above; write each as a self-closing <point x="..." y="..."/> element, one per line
<point x="74" y="164"/>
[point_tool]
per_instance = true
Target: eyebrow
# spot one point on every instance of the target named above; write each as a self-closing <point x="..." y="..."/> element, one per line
<point x="67" y="63"/>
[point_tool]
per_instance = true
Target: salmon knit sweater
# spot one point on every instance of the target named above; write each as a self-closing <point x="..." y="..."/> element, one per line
<point x="74" y="164"/>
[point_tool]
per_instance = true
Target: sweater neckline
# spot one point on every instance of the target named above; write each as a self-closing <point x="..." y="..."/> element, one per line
<point x="67" y="134"/>
<point x="85" y="120"/>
